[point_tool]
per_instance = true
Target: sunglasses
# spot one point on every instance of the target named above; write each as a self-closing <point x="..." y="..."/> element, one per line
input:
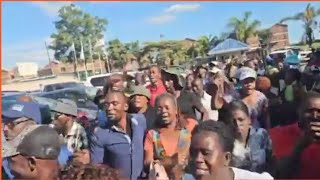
<point x="11" y="125"/>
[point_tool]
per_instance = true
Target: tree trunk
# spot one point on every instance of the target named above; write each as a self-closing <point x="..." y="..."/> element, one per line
<point x="309" y="37"/>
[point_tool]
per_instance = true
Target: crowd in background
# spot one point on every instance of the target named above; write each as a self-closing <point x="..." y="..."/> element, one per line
<point x="258" y="119"/>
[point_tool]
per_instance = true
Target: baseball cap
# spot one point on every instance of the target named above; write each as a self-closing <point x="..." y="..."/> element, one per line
<point x="247" y="73"/>
<point x="23" y="109"/>
<point x="140" y="90"/>
<point x="65" y="106"/>
<point x="39" y="141"/>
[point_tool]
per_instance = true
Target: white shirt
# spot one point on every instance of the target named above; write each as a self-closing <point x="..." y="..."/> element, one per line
<point x="240" y="174"/>
<point x="206" y="102"/>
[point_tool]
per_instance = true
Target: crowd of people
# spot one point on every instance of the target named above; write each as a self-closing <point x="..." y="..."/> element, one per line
<point x="227" y="120"/>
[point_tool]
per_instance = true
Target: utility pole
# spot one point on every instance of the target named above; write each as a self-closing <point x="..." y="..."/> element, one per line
<point x="45" y="43"/>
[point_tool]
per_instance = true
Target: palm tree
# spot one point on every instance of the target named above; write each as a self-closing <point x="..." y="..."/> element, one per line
<point x="204" y="44"/>
<point x="308" y="18"/>
<point x="243" y="28"/>
<point x="117" y="51"/>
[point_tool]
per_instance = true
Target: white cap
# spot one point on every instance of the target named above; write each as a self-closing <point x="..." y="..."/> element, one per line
<point x="216" y="63"/>
<point x="215" y="70"/>
<point x="247" y="73"/>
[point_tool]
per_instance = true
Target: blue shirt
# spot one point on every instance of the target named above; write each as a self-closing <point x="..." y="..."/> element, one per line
<point x="5" y="165"/>
<point x="113" y="147"/>
<point x="102" y="119"/>
<point x="260" y="152"/>
<point x="64" y="155"/>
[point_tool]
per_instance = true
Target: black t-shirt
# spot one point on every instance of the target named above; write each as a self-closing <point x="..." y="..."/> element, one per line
<point x="150" y="116"/>
<point x="188" y="102"/>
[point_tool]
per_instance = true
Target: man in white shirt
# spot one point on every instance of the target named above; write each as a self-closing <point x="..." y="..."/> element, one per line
<point x="197" y="87"/>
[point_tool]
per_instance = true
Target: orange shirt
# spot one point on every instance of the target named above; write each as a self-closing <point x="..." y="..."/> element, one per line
<point x="169" y="147"/>
<point x="191" y="124"/>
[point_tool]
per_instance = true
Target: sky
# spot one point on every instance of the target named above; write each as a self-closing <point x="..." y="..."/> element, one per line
<point x="26" y="26"/>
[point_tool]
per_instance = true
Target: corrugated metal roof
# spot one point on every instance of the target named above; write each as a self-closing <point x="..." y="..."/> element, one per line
<point x="227" y="46"/>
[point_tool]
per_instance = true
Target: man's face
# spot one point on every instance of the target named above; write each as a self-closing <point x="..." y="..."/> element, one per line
<point x="117" y="82"/>
<point x="139" y="101"/>
<point x="12" y="128"/>
<point x="280" y="66"/>
<point x="154" y="75"/>
<point x="20" y="167"/>
<point x="116" y="106"/>
<point x="197" y="87"/>
<point x="24" y="167"/>
<point x="310" y="113"/>
<point x="60" y="122"/>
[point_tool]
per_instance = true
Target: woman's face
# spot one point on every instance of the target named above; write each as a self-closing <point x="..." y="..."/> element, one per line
<point x="166" y="111"/>
<point x="207" y="154"/>
<point x="248" y="85"/>
<point x="242" y="120"/>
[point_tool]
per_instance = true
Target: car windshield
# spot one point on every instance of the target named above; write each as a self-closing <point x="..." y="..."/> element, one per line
<point x="98" y="81"/>
<point x="53" y="87"/>
<point x="77" y="95"/>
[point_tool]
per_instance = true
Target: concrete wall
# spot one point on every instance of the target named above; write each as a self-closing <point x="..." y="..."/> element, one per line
<point x="28" y="69"/>
<point x="35" y="85"/>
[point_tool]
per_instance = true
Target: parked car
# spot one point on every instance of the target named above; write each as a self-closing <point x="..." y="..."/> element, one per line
<point x="58" y="86"/>
<point x="98" y="81"/>
<point x="86" y="107"/>
<point x="9" y="98"/>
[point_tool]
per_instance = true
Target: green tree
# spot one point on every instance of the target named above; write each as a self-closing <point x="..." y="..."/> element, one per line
<point x="243" y="28"/>
<point x="117" y="52"/>
<point x="133" y="49"/>
<point x="75" y="25"/>
<point x="309" y="22"/>
<point x="203" y="45"/>
<point x="166" y="50"/>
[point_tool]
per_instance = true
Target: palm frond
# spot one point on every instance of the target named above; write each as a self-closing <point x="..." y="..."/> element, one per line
<point x="299" y="16"/>
<point x="233" y="22"/>
<point x="247" y="15"/>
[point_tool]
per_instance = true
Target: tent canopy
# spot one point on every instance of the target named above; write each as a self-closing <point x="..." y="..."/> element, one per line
<point x="229" y="46"/>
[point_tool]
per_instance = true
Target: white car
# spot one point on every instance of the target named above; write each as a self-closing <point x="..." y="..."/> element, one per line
<point x="98" y="81"/>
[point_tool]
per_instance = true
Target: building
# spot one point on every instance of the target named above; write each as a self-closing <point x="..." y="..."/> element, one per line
<point x="253" y="42"/>
<point x="279" y="37"/>
<point x="67" y="68"/>
<point x="27" y="69"/>
<point x="5" y="76"/>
